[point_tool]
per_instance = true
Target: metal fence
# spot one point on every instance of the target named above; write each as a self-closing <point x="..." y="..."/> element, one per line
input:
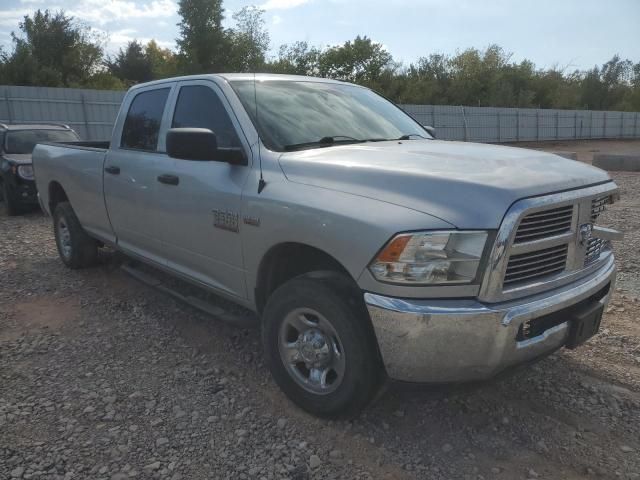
<point x="487" y="124"/>
<point x="92" y="114"/>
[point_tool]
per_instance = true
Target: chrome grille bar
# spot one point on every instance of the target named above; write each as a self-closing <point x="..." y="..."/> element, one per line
<point x="536" y="264"/>
<point x="544" y="224"/>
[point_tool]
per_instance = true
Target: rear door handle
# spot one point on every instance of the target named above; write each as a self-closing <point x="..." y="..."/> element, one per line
<point x="112" y="169"/>
<point x="168" y="179"/>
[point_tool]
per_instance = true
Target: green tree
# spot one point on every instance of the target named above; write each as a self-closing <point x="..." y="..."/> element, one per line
<point x="249" y="40"/>
<point x="163" y="61"/>
<point x="131" y="64"/>
<point x="52" y="50"/>
<point x="297" y="59"/>
<point x="203" y="43"/>
<point x="361" y="61"/>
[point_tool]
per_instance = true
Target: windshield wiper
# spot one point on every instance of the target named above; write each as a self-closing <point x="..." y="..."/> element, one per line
<point x="324" y="142"/>
<point x="403" y="137"/>
<point x="408" y="136"/>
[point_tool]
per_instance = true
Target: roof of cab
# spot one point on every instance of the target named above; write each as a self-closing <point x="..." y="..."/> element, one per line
<point x="230" y="77"/>
<point x="34" y="126"/>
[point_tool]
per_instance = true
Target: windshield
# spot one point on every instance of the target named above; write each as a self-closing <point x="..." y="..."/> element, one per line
<point x="24" y="141"/>
<point x="307" y="114"/>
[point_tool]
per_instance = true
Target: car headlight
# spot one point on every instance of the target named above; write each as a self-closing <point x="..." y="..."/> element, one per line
<point x="426" y="258"/>
<point x="26" y="171"/>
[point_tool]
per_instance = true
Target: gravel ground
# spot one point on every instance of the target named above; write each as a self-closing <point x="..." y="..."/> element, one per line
<point x="104" y="378"/>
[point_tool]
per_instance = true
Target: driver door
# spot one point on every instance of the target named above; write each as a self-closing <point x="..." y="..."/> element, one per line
<point x="196" y="242"/>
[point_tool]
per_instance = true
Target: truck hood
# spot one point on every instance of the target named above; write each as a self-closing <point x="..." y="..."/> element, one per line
<point x="18" y="158"/>
<point x="466" y="184"/>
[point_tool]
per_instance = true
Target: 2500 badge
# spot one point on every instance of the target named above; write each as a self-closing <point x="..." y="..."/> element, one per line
<point x="226" y="220"/>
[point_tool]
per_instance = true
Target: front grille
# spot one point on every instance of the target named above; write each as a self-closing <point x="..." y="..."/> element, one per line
<point x="598" y="205"/>
<point x="534" y="265"/>
<point x="594" y="248"/>
<point x="546" y="223"/>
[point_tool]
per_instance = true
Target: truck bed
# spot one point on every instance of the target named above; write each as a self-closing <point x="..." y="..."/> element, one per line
<point x="76" y="168"/>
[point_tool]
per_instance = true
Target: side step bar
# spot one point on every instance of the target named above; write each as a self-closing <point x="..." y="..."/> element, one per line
<point x="248" y="320"/>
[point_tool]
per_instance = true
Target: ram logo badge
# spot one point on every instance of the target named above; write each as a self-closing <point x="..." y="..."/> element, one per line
<point x="585" y="233"/>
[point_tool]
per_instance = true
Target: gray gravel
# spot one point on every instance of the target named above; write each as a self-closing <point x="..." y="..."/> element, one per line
<point x="103" y="378"/>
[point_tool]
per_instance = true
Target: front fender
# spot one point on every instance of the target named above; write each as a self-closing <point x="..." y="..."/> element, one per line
<point x="349" y="228"/>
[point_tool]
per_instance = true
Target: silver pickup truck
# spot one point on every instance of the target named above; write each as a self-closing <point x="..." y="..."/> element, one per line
<point x="368" y="249"/>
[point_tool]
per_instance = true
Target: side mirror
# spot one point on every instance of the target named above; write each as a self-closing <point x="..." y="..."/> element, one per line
<point x="430" y="130"/>
<point x="192" y="144"/>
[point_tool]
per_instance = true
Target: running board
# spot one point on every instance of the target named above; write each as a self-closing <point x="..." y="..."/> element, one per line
<point x="248" y="320"/>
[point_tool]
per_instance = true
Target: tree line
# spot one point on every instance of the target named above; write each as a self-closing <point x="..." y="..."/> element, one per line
<point x="54" y="49"/>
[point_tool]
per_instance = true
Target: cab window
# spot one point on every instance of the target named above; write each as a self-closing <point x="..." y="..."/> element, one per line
<point x="198" y="106"/>
<point x="142" y="124"/>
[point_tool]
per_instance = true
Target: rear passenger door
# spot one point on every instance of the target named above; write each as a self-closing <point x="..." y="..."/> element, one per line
<point x="200" y="215"/>
<point x="131" y="171"/>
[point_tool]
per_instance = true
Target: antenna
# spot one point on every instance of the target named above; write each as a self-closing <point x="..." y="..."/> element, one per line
<point x="261" y="183"/>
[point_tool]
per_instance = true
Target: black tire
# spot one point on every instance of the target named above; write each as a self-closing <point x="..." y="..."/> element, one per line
<point x="334" y="298"/>
<point x="8" y="204"/>
<point x="75" y="247"/>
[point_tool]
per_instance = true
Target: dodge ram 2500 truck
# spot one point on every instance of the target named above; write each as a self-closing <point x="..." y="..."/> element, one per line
<point x="368" y="249"/>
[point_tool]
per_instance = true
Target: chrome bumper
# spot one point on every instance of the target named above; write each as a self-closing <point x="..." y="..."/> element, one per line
<point x="459" y="340"/>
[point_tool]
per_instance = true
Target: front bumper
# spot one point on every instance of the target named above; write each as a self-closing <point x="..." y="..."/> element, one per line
<point x="460" y="340"/>
<point x="24" y="191"/>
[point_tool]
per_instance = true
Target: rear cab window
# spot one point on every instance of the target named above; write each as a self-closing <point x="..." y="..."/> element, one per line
<point x="142" y="123"/>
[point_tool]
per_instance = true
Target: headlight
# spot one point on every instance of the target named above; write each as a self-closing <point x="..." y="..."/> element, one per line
<point x="425" y="258"/>
<point x="26" y="171"/>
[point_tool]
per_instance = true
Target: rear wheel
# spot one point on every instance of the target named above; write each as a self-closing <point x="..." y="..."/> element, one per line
<point x="76" y="248"/>
<point x="319" y="345"/>
<point x="8" y="205"/>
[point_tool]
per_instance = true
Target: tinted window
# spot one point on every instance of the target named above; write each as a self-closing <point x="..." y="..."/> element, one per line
<point x="143" y="120"/>
<point x="24" y="141"/>
<point x="199" y="106"/>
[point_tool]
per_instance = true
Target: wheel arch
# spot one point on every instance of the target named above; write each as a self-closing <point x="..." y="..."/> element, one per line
<point x="287" y="260"/>
<point x="56" y="194"/>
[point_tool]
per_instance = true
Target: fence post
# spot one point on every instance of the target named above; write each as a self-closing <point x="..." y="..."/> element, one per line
<point x="464" y="122"/>
<point x="604" y="126"/>
<point x="575" y="125"/>
<point x="518" y="124"/>
<point x="635" y="126"/>
<point x="557" y="124"/>
<point x="538" y="125"/>
<point x="85" y="116"/>
<point x="591" y="124"/>
<point x="499" y="127"/>
<point x="621" y="125"/>
<point x="9" y="112"/>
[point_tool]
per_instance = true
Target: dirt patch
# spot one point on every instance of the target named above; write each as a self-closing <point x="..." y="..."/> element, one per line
<point x="44" y="314"/>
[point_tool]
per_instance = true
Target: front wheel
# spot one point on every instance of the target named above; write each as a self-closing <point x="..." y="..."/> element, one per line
<point x="76" y="248"/>
<point x="320" y="346"/>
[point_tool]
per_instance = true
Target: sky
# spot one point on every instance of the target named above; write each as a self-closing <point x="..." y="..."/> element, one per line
<point x="569" y="34"/>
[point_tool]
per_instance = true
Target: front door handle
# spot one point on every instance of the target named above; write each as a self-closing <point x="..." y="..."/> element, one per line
<point x="112" y="169"/>
<point x="168" y="179"/>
